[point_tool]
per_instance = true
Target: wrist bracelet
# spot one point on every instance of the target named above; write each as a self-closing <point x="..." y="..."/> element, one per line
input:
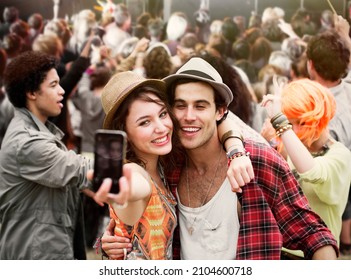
<point x="232" y="155"/>
<point x="98" y="247"/>
<point x="279" y="120"/>
<point x="282" y="129"/>
<point x="276" y="117"/>
<point x="234" y="152"/>
<point x="230" y="134"/>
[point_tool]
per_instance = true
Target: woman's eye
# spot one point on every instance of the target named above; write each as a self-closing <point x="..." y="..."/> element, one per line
<point x="144" y="123"/>
<point x="163" y="114"/>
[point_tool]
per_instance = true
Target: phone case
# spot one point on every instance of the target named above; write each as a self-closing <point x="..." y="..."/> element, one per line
<point x="109" y="156"/>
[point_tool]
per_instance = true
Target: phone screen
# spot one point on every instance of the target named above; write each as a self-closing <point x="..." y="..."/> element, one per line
<point x="109" y="157"/>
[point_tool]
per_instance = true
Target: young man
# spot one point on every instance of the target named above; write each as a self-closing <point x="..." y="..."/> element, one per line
<point x="328" y="63"/>
<point x="215" y="223"/>
<point x="40" y="210"/>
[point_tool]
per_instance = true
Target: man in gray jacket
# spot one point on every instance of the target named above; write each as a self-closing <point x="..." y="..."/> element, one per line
<point x="40" y="180"/>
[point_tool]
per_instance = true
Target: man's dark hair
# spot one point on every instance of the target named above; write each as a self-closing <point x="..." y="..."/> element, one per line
<point x="230" y="30"/>
<point x="10" y="14"/>
<point x="329" y="55"/>
<point x="12" y="44"/>
<point x="272" y="31"/>
<point x="26" y="73"/>
<point x="241" y="49"/>
<point x="100" y="77"/>
<point x="35" y="21"/>
<point x="241" y="104"/>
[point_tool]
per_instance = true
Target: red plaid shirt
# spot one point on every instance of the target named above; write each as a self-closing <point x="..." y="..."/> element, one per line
<point x="274" y="213"/>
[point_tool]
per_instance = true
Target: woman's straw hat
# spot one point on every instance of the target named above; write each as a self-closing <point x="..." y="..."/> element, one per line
<point x="119" y="87"/>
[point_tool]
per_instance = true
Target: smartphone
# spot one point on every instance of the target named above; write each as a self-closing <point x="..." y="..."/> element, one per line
<point x="109" y="156"/>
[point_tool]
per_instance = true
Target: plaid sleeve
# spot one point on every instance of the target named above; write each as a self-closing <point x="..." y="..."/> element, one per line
<point x="275" y="212"/>
<point x="301" y="228"/>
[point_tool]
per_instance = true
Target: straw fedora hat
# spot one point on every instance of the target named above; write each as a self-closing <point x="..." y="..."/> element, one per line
<point x="119" y="87"/>
<point x="199" y="69"/>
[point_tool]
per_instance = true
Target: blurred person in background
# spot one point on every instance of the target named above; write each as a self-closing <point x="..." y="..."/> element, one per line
<point x="36" y="26"/>
<point x="9" y="15"/>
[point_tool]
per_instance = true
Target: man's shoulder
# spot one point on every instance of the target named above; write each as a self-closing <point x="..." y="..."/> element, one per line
<point x="258" y="149"/>
<point x="265" y="157"/>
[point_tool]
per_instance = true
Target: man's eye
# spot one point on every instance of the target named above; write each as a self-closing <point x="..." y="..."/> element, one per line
<point x="179" y="106"/>
<point x="200" y="107"/>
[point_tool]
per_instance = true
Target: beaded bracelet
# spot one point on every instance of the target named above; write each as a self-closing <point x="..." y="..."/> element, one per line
<point x="235" y="151"/>
<point x="235" y="154"/>
<point x="98" y="248"/>
<point x="282" y="129"/>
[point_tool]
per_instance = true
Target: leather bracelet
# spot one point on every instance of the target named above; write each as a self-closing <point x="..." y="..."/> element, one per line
<point x="230" y="134"/>
<point x="276" y="117"/>
<point x="279" y="120"/>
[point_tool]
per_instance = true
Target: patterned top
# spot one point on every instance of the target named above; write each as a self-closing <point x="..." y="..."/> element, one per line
<point x="274" y="212"/>
<point x="152" y="235"/>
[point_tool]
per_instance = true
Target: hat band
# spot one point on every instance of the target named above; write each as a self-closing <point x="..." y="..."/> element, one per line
<point x="197" y="73"/>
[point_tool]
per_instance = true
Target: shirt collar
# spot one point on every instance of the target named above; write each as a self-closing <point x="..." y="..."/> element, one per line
<point x="48" y="127"/>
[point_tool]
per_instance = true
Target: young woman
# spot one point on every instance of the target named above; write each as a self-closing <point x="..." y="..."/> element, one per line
<point x="138" y="106"/>
<point x="300" y="116"/>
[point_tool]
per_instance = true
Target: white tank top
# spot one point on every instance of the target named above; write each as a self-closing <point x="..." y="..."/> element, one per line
<point x="215" y="227"/>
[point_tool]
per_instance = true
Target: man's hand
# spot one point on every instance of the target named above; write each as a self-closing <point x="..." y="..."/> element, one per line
<point x="240" y="172"/>
<point x="114" y="246"/>
<point x="272" y="102"/>
<point x="287" y="29"/>
<point x="342" y="26"/>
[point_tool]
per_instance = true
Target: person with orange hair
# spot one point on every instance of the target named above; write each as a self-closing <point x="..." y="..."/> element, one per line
<point x="300" y="113"/>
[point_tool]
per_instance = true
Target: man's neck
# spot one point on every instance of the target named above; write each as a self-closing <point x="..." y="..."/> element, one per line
<point x="203" y="157"/>
<point x="36" y="113"/>
<point x="327" y="84"/>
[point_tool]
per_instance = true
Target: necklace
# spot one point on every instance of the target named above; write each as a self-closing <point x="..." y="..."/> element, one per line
<point x="191" y="226"/>
<point x="323" y="150"/>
